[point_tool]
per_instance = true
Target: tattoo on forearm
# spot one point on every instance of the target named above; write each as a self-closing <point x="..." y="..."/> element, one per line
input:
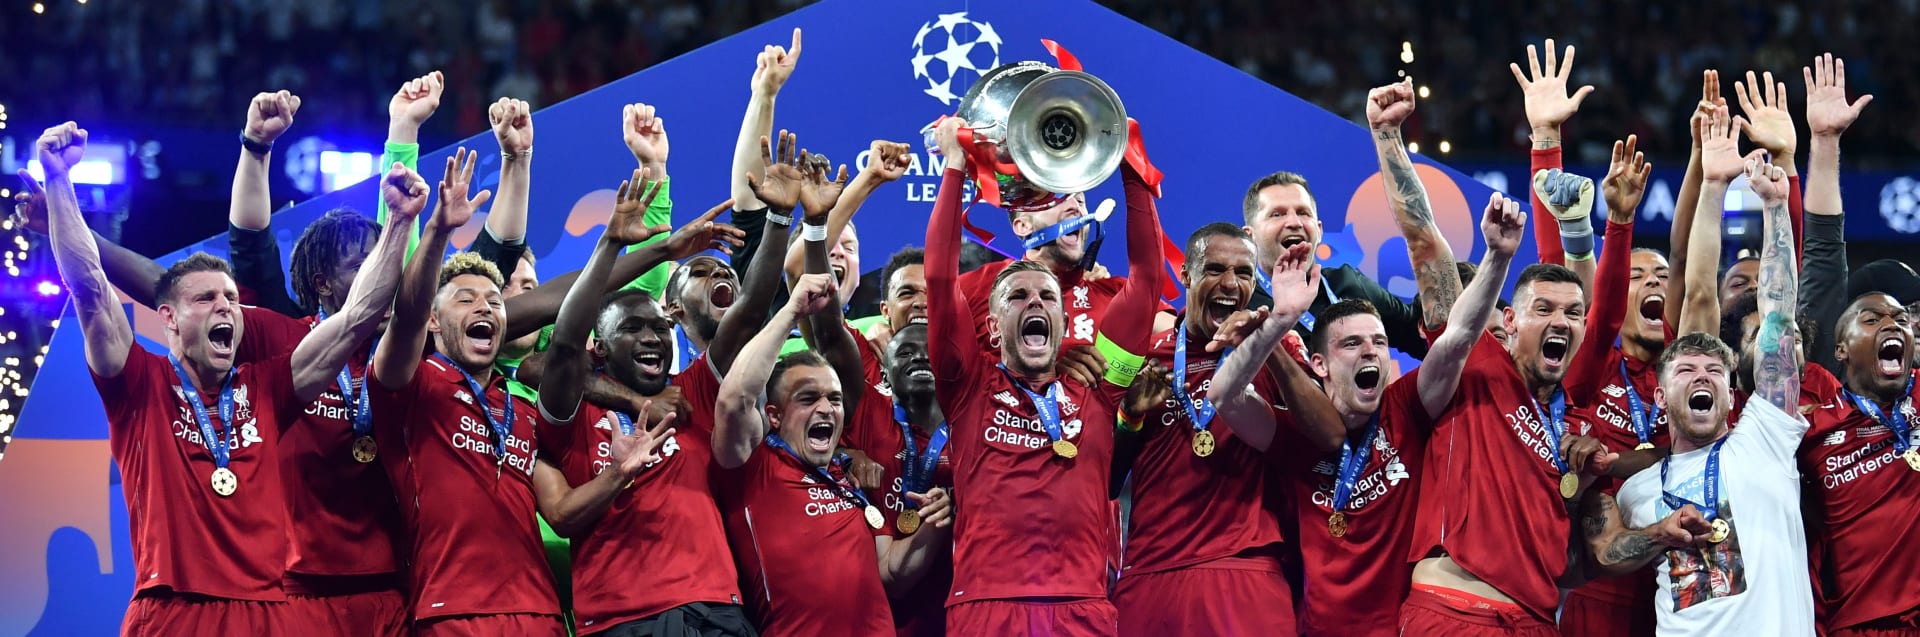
<point x="1439" y="284"/>
<point x="1595" y="521"/>
<point x="1409" y="198"/>
<point x="1631" y="546"/>
<point x="1776" y="377"/>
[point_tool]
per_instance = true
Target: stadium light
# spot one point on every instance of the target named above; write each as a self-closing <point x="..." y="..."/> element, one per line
<point x="92" y="172"/>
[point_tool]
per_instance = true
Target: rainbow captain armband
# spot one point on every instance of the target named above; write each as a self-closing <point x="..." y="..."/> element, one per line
<point x="1122" y="365"/>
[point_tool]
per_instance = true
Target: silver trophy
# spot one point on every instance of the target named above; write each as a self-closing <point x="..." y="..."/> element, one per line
<point x="1050" y="132"/>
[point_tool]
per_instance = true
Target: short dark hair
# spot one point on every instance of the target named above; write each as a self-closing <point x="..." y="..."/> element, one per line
<point x="1696" y="343"/>
<point x="677" y="280"/>
<point x="1251" y="205"/>
<point x="197" y="262"/>
<point x="802" y="358"/>
<point x="1324" y="326"/>
<point x="905" y="257"/>
<point x="974" y="256"/>
<point x="1197" y="242"/>
<point x="1734" y="315"/>
<point x="1730" y="265"/>
<point x="1012" y="269"/>
<point x="321" y="247"/>
<point x="1547" y="272"/>
<point x="601" y="324"/>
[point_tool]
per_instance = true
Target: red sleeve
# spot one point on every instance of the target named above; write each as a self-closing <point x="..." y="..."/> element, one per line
<point x="701" y="387"/>
<point x="273" y="379"/>
<point x="1609" y="310"/>
<point x="1546" y="229"/>
<point x="978" y="290"/>
<point x="1796" y="213"/>
<point x="1129" y="321"/>
<point x="127" y="391"/>
<point x="265" y="334"/>
<point x="950" y="337"/>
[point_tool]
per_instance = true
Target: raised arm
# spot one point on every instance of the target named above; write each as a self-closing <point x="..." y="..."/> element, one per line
<point x="1828" y="116"/>
<point x="568" y="365"/>
<point x="512" y="122"/>
<point x="132" y="272"/>
<point x="739" y="421"/>
<point x="1126" y="330"/>
<point x="323" y="351"/>
<point x="760" y="284"/>
<point x="770" y="72"/>
<point x="1620" y="551"/>
<point x="1776" y="374"/>
<point x="103" y="324"/>
<point x="1548" y="106"/>
<point x="1720" y="162"/>
<point x="950" y="336"/>
<point x="397" y="357"/>
<point x="1296" y="281"/>
<point x="1769" y="126"/>
<point x="1439" y="282"/>
<point x="821" y="198"/>
<point x="1622" y="188"/>
<point x="645" y="134"/>
<point x="410" y="107"/>
<point x="1687" y="204"/>
<point x="1503" y="225"/>
<point x="886" y="162"/>
<point x="252" y="249"/>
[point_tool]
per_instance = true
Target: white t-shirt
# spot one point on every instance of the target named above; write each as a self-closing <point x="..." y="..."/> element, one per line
<point x="1755" y="582"/>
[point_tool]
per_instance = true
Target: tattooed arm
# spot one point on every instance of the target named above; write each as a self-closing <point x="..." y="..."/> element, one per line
<point x="1387" y="107"/>
<point x="1618" y="550"/>
<point x="1776" y="373"/>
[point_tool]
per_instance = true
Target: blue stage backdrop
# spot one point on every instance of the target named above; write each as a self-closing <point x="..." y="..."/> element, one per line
<point x="870" y="69"/>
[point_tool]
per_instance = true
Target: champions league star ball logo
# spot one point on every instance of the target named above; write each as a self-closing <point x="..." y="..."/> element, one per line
<point x="1900" y="205"/>
<point x="951" y="47"/>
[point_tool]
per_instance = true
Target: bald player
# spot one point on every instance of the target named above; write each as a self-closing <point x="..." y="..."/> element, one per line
<point x="1031" y="451"/>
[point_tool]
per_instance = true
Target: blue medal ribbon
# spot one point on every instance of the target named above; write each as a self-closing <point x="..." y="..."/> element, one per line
<point x="1642" y="419"/>
<point x="360" y="412"/>
<point x="820" y="474"/>
<point x="685" y="350"/>
<point x="1352" y="461"/>
<point x="1897" y="423"/>
<point x="1710" y="489"/>
<point x="626" y="422"/>
<point x="1306" y="318"/>
<point x="1199" y="412"/>
<point x="216" y="444"/>
<point x="919" y="467"/>
<point x="501" y="433"/>
<point x="1053" y="233"/>
<point x="1048" y="404"/>
<point x="1555" y="423"/>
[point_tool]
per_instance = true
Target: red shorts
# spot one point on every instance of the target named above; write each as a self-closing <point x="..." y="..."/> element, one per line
<point x="346" y="605"/>
<point x="1591" y="616"/>
<point x="527" y="624"/>
<point x="1441" y="612"/>
<point x="1232" y="596"/>
<point x="1062" y="618"/>
<point x="1862" y="631"/>
<point x="181" y="614"/>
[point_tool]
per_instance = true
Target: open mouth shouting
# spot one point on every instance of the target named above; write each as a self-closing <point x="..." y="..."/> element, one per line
<point x="1222" y="307"/>
<point x="1368" y="378"/>
<point x="1291" y="239"/>
<point x="722" y="295"/>
<point x="820" y="435"/>
<point x="1555" y="350"/>
<point x="480" y="336"/>
<point x="1036" y="334"/>
<point x="220" y="339"/>
<point x="1700" y="402"/>
<point x="1892" y="355"/>
<point x="1653" y="310"/>
<point x="650" y="363"/>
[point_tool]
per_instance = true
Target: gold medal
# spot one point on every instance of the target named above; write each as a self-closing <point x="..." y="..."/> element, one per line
<point x="1643" y="446"/>
<point x="908" y="522"/>
<point x="1337" y="524"/>
<point x="225" y="482"/>
<point x="1721" y="529"/>
<point x="365" y="450"/>
<point x="1912" y="456"/>
<point x="1203" y="443"/>
<point x="874" y="519"/>
<point x="1569" y="485"/>
<point x="1065" y="449"/>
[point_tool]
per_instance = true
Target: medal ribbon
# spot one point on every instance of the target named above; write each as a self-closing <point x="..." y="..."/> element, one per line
<point x="1711" y="488"/>
<point x="820" y="473"/>
<point x="1352" y="460"/>
<point x="1555" y="423"/>
<point x="626" y="423"/>
<point x="1897" y="423"/>
<point x="217" y="445"/>
<point x="1053" y="233"/>
<point x="1642" y="419"/>
<point x="361" y="412"/>
<point x="1199" y="412"/>
<point x="501" y="433"/>
<point x="1048" y="405"/>
<point x="919" y="467"/>
<point x="686" y="350"/>
<point x="1306" y="318"/>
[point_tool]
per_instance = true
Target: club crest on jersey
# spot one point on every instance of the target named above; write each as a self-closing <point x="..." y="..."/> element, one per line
<point x="1080" y="301"/>
<point x="242" y="406"/>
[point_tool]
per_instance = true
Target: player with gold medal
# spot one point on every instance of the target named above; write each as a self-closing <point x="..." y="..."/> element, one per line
<point x="917" y="472"/>
<point x="1048" y="406"/>
<point x="1200" y="411"/>
<point x="1895" y="422"/>
<point x="1709" y="506"/>
<point x="1353" y="459"/>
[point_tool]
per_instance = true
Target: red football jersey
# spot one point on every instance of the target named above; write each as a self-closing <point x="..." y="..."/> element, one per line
<point x="1188" y="509"/>
<point x="1612" y="416"/>
<point x="1355" y="583"/>
<point x="806" y="554"/>
<point x="475" y="546"/>
<point x="1492" y="490"/>
<point x="1818" y="388"/>
<point x="1867" y="495"/>
<point x="185" y="537"/>
<point x="661" y="543"/>
<point x="343" y="517"/>
<point x="1083" y="301"/>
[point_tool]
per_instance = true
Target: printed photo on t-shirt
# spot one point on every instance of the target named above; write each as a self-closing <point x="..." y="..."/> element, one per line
<point x="1708" y="572"/>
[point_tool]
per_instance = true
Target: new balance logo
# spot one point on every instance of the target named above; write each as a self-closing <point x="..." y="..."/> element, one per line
<point x="1835" y="438"/>
<point x="1007" y="399"/>
<point x="1615" y="391"/>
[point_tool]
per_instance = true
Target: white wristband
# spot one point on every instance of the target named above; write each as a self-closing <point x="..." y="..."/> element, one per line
<point x="812" y="232"/>
<point x="783" y="221"/>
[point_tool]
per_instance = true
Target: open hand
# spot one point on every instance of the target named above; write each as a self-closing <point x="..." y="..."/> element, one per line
<point x="1828" y="113"/>
<point x="628" y="225"/>
<point x="645" y="134"/>
<point x="780" y="186"/>
<point x="1719" y="147"/>
<point x="703" y="233"/>
<point x="1767" y="124"/>
<point x="270" y="115"/>
<point x="405" y="193"/>
<point x="818" y="193"/>
<point x="512" y="124"/>
<point x="634" y="452"/>
<point x="1296" y="281"/>
<point x="1545" y="88"/>
<point x="455" y="209"/>
<point x="1503" y="224"/>
<point x="1626" y="178"/>
<point x="1709" y="99"/>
